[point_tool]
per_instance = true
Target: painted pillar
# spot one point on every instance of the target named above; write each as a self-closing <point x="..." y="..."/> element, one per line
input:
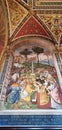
<point x="5" y="79"/>
<point x="57" y="69"/>
<point x="59" y="61"/>
<point x="2" y="76"/>
<point x="32" y="67"/>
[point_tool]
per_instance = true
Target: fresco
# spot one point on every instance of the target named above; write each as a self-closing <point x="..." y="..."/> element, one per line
<point x="54" y="23"/>
<point x="17" y="13"/>
<point x="33" y="82"/>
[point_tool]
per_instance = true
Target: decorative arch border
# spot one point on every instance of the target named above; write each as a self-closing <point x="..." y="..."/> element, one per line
<point x="2" y="56"/>
<point x="39" y="20"/>
<point x="33" y="40"/>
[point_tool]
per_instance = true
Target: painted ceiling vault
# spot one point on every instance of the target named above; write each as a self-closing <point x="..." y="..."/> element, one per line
<point x="3" y="31"/>
<point x="32" y="26"/>
<point x="2" y="28"/>
<point x="20" y="10"/>
<point x="16" y="14"/>
<point x="31" y="17"/>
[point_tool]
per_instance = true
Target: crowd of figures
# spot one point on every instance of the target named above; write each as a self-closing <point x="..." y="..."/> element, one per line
<point x="26" y="89"/>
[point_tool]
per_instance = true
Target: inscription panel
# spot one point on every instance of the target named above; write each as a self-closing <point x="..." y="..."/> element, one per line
<point x="52" y="121"/>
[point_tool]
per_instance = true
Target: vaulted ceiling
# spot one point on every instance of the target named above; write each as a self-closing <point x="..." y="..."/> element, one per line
<point x="20" y="18"/>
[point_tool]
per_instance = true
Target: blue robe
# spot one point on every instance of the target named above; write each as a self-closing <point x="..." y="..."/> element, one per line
<point x="14" y="95"/>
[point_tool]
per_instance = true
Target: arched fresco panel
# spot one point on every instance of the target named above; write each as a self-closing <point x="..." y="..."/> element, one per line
<point x="33" y="82"/>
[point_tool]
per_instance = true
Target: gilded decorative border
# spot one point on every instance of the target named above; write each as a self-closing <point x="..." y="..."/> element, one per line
<point x="48" y="11"/>
<point x="47" y="5"/>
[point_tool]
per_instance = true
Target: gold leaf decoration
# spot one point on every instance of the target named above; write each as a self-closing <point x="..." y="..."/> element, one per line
<point x="2" y="28"/>
<point x="17" y="13"/>
<point x="54" y="23"/>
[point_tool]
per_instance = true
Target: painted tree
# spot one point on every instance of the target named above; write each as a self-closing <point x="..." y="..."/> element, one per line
<point x="25" y="52"/>
<point x="38" y="50"/>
